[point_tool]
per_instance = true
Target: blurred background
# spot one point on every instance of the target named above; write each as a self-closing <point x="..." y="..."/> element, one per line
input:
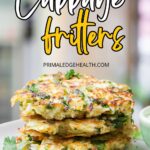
<point x="22" y="54"/>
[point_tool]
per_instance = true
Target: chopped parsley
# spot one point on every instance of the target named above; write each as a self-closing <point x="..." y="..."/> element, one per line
<point x="33" y="88"/>
<point x="65" y="103"/>
<point x="137" y="134"/>
<point x="112" y="84"/>
<point x="9" y="143"/>
<point x="80" y="93"/>
<point x="56" y="80"/>
<point x="29" y="137"/>
<point x="100" y="102"/>
<point x="99" y="144"/>
<point x="65" y="92"/>
<point x="130" y="90"/>
<point x="82" y="96"/>
<point x="77" y="138"/>
<point x="43" y="96"/>
<point x="89" y="88"/>
<point x="77" y="91"/>
<point x="105" y="105"/>
<point x="120" y="120"/>
<point x="98" y="130"/>
<point x="71" y="73"/>
<point x="49" y="106"/>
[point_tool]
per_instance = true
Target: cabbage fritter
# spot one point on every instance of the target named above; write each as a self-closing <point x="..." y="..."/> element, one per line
<point x="59" y="96"/>
<point x="76" y="127"/>
<point x="117" y="142"/>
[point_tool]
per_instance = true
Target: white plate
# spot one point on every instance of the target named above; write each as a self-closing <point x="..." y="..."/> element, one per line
<point x="11" y="129"/>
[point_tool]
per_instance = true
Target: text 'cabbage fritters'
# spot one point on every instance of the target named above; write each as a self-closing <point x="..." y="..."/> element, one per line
<point x="61" y="96"/>
<point x="76" y="127"/>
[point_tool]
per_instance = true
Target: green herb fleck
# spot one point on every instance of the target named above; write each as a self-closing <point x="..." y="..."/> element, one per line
<point x="77" y="138"/>
<point x="137" y="134"/>
<point x="47" y="97"/>
<point x="82" y="96"/>
<point x="43" y="96"/>
<point x="65" y="103"/>
<point x="98" y="130"/>
<point x="56" y="80"/>
<point x="9" y="143"/>
<point x="33" y="88"/>
<point x="49" y="106"/>
<point x="29" y="138"/>
<point x="99" y="101"/>
<point x="65" y="92"/>
<point x="89" y="88"/>
<point x="20" y="104"/>
<point x="80" y="93"/>
<point x="99" y="144"/>
<point x="105" y="106"/>
<point x="130" y="90"/>
<point x="77" y="91"/>
<point x="71" y="73"/>
<point x="112" y="84"/>
<point x="120" y="120"/>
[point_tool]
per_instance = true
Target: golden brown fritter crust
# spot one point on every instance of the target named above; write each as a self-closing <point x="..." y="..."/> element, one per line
<point x="55" y="97"/>
<point x="108" y="142"/>
<point x="75" y="127"/>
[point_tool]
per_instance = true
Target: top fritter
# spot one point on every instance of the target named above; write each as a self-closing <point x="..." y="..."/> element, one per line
<point x="72" y="95"/>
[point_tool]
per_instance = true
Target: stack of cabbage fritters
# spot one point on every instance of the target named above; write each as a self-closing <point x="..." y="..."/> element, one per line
<point x="74" y="112"/>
